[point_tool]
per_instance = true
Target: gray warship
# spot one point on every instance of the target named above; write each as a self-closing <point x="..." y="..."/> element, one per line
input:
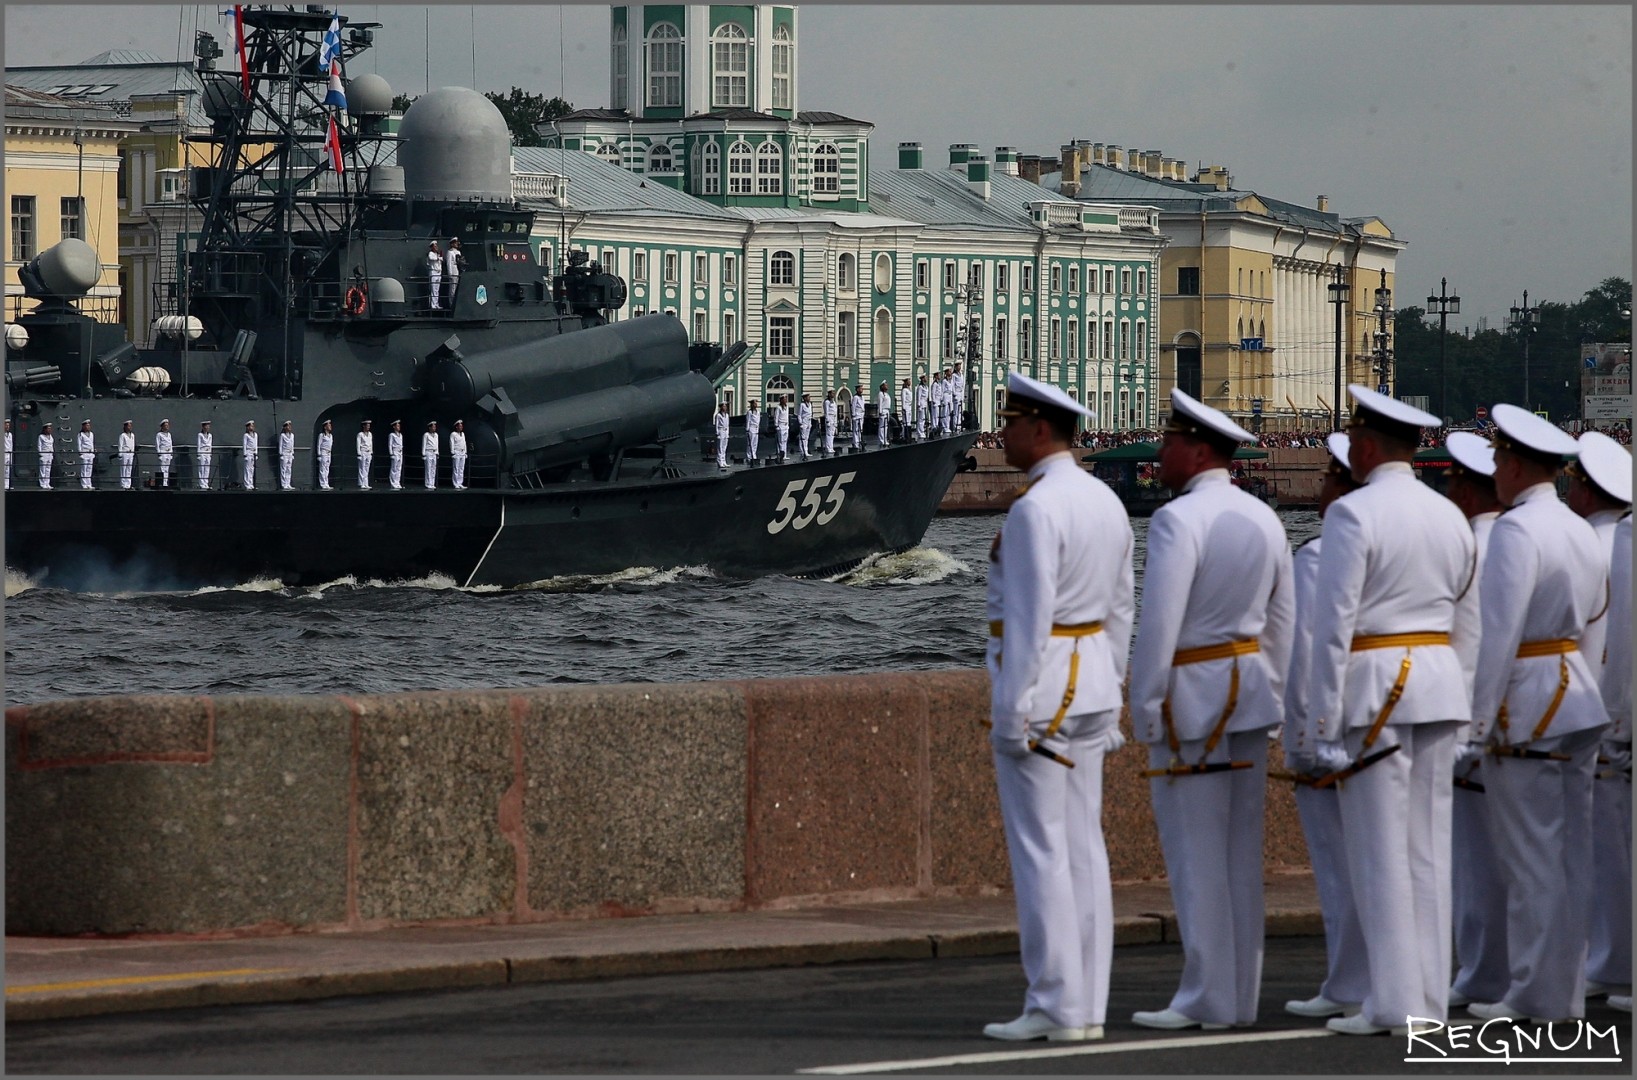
<point x="590" y="449"/>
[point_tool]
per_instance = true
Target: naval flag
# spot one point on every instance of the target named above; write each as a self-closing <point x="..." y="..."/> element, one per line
<point x="333" y="143"/>
<point x="336" y="97"/>
<point x="238" y="42"/>
<point x="330" y="50"/>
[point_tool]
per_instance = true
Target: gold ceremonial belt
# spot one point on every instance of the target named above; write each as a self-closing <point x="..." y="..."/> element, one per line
<point x="997" y="628"/>
<point x="1364" y="642"/>
<point x="1202" y="653"/>
<point x="1554" y="647"/>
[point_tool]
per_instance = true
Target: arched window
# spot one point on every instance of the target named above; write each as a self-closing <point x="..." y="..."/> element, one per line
<point x="826" y="169"/>
<point x="660" y="159"/>
<point x="781" y="269"/>
<point x="883" y="334"/>
<point x="769" y="169"/>
<point x="784" y="52"/>
<point x="712" y="172"/>
<point x="740" y="165"/>
<point x="664" y="51"/>
<point x="730" y="67"/>
<point x="846" y="272"/>
<point x="618" y="96"/>
<point x="609" y="153"/>
<point x="780" y="384"/>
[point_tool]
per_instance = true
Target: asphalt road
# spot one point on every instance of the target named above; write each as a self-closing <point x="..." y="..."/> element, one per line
<point x="885" y="1015"/>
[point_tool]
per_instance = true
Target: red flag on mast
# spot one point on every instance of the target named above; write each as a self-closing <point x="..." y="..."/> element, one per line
<point x="238" y="36"/>
<point x="333" y="141"/>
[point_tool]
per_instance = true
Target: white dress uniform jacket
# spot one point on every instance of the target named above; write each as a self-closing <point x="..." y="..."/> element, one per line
<point x="1608" y="957"/>
<point x="1616" y="681"/>
<point x="165" y="446"/>
<point x="957" y="401"/>
<point x="719" y="423"/>
<point x="8" y="459"/>
<point x="922" y="405"/>
<point x="429" y="458"/>
<point x="127" y="457"/>
<point x="906" y="405"/>
<point x="203" y="448"/>
<point x="1592" y="641"/>
<point x="287" y="458"/>
<point x="781" y="428"/>
<point x="326" y="453"/>
<point x="434" y="274"/>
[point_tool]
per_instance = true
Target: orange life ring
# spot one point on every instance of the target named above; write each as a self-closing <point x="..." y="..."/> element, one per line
<point x="355" y="300"/>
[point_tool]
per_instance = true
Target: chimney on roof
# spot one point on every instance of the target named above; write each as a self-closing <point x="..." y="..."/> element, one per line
<point x="977" y="176"/>
<point x="1116" y="157"/>
<point x="1179" y="169"/>
<point x="1006" y="160"/>
<point x="1217" y="176"/>
<point x="1069" y="184"/>
<point x="958" y="155"/>
<point x="909" y="155"/>
<point x="1028" y="168"/>
<point x="1324" y="204"/>
<point x="1098" y="157"/>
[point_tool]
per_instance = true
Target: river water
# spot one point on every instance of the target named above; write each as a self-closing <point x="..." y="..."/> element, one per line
<point x="916" y="610"/>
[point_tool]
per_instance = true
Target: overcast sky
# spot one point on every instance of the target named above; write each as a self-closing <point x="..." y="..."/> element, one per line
<point x="1495" y="141"/>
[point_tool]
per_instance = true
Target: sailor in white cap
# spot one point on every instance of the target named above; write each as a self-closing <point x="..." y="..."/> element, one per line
<point x="1347" y="974"/>
<point x="1395" y="622"/>
<point x="164" y="445"/>
<point x="923" y="406"/>
<point x="8" y="453"/>
<point x="457" y="455"/>
<point x="753" y="430"/>
<point x="1207" y="675"/>
<point x="287" y="455"/>
<point x="429" y="455"/>
<point x="1477" y="885"/>
<point x="249" y="447"/>
<point x="957" y="398"/>
<point x="1616" y="687"/>
<point x="781" y="425"/>
<point x="127" y="454"/>
<point x="1600" y="492"/>
<point x="804" y="424"/>
<point x="858" y="417"/>
<point x="395" y="455"/>
<point x="46" y="447"/>
<point x="86" y="443"/>
<point x="906" y="410"/>
<point x="720" y="424"/>
<point x="883" y="412"/>
<point x="1537" y="705"/>
<point x="366" y="453"/>
<point x="1060" y="603"/>
<point x="434" y="278"/>
<point x="325" y="452"/>
<point x="204" y="448"/>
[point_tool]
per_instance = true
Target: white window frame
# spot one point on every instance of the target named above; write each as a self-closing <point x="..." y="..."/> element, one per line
<point x="662" y="55"/>
<point x="1028" y="277"/>
<point x="673" y="269"/>
<point x="923" y="274"/>
<point x="769" y="169"/>
<point x="660" y="158"/>
<point x="827" y="169"/>
<point x="1125" y="281"/>
<point x="1003" y="277"/>
<point x="846" y="334"/>
<point x="1072" y="349"/>
<point x="1000" y="336"/>
<point x="712" y="171"/>
<point x="741" y="168"/>
<point x="920" y="337"/>
<point x="701" y="322"/>
<point x="639" y="267"/>
<point x="730" y="67"/>
<point x="846" y="272"/>
<point x="1025" y="339"/>
<point x="781" y="336"/>
<point x="730" y="327"/>
<point x="730" y="269"/>
<point x="701" y="268"/>
<point x="781" y="268"/>
<point x="784" y="54"/>
<point x="949" y="273"/>
<point x="1055" y="278"/>
<point x="1074" y="280"/>
<point x="1142" y="281"/>
<point x="1053" y="350"/>
<point x="619" y="69"/>
<point x="949" y="337"/>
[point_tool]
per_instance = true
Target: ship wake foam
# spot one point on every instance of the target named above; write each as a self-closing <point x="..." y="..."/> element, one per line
<point x="917" y="566"/>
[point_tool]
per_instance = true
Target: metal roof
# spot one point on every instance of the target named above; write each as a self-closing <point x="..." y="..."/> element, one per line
<point x="829" y="118"/>
<point x="115" y="83"/>
<point x="596" y="114"/>
<point x="844" y="219"/>
<point x="594" y="184"/>
<point x="23" y="102"/>
<point x="944" y="197"/>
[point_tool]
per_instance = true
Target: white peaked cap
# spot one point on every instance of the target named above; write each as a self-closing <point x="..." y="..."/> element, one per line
<point x="1034" y="392"/>
<point x="1530" y="432"/>
<point x="1472" y="452"/>
<point x="1188" y="412"/>
<point x="1607" y="463"/>
<point x="1391" y="408"/>
<point x="1339" y="443"/>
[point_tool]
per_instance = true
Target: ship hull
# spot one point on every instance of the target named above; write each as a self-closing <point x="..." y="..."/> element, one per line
<point x="808" y="517"/>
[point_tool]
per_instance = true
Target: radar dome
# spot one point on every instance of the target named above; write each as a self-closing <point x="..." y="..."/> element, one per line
<point x="68" y="268"/>
<point x="454" y="144"/>
<point x="369" y="95"/>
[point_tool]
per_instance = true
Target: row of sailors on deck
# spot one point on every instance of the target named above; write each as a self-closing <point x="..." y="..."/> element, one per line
<point x="164" y="448"/>
<point x="1453" y="679"/>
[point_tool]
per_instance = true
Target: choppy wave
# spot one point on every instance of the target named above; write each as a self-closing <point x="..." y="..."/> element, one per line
<point x="255" y="585"/>
<point x="917" y="566"/>
<point x="18" y="582"/>
<point x="635" y="575"/>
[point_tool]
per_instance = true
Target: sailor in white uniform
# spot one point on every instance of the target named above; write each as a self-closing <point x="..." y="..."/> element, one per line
<point x="1616" y="688"/>
<point x="248" y="448"/>
<point x="883" y="413"/>
<point x="395" y="455"/>
<point x="204" y="447"/>
<point x="958" y="399"/>
<point x="127" y="454"/>
<point x="8" y="453"/>
<point x="753" y="431"/>
<point x="326" y="453"/>
<point x="906" y="410"/>
<point x="1347" y="975"/>
<point x="830" y="415"/>
<point x="366" y="453"/>
<point x="1600" y="492"/>
<point x="858" y="417"/>
<point x="935" y="397"/>
<point x="781" y="424"/>
<point x="1394" y="615"/>
<point x="287" y="455"/>
<point x="1537" y="706"/>
<point x="457" y="455"/>
<point x="429" y="455"/>
<point x="947" y="421"/>
<point x="804" y="423"/>
<point x="1060" y="591"/>
<point x="454" y="262"/>
<point x="45" y="446"/>
<point x="1207" y="678"/>
<point x="1477" y="886"/>
<point x="720" y="422"/>
<point x="86" y="444"/>
<point x="434" y="275"/>
<point x="923" y="404"/>
<point x="164" y="445"/>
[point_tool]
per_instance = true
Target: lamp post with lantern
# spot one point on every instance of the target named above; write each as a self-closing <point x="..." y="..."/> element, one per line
<point x="1443" y="305"/>
<point x="1525" y="320"/>
<point x="1338" y="297"/>
<point x="1384" y="356"/>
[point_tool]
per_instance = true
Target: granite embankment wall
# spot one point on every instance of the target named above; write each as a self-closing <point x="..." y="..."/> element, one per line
<point x="1294" y="475"/>
<point x="265" y="814"/>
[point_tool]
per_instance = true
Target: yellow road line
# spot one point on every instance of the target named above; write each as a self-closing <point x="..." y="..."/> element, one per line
<point x="136" y="980"/>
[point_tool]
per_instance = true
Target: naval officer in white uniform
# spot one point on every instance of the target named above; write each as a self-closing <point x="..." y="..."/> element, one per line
<point x="906" y="408"/>
<point x="8" y="453"/>
<point x="781" y="424"/>
<point x="1207" y="675"/>
<point x="249" y="446"/>
<point x="804" y="424"/>
<point x="1616" y="688"/>
<point x="1394" y="609"/>
<point x="287" y="455"/>
<point x="883" y="413"/>
<point x="457" y="456"/>
<point x="164" y="446"/>
<point x="127" y="454"/>
<point x="45" y="446"/>
<point x="753" y="431"/>
<point x="1537" y="705"/>
<point x="1060" y="590"/>
<point x="429" y="455"/>
<point x="86" y="443"/>
<point x="858" y="417"/>
<point x="326" y="453"/>
<point x="1600" y="492"/>
<point x="395" y="455"/>
<point x="719" y="424"/>
<point x="1477" y="886"/>
<point x="366" y="453"/>
<point x="923" y="404"/>
<point x="1347" y="975"/>
<point x="204" y="448"/>
<point x="830" y="416"/>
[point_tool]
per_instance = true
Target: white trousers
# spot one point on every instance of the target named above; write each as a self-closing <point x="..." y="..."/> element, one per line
<point x="752" y="436"/>
<point x="86" y="461"/>
<point x="457" y="469"/>
<point x="1608" y="959"/>
<point x="248" y="475"/>
<point x="806" y="437"/>
<point x="1347" y="974"/>
<point x="781" y="435"/>
<point x="434" y="287"/>
<point x="858" y="433"/>
<point x="165" y="469"/>
<point x="363" y="470"/>
<point x="429" y="470"/>
<point x="286" y="466"/>
<point x="1210" y="830"/>
<point x="881" y="431"/>
<point x="1065" y="905"/>
<point x="1395" y="823"/>
<point x="395" y="474"/>
<point x="127" y="463"/>
<point x="1541" y="813"/>
<point x="204" y="472"/>
<point x="829" y="438"/>
<point x="1478" y="889"/>
<point x="920" y="426"/>
<point x="324" y="472"/>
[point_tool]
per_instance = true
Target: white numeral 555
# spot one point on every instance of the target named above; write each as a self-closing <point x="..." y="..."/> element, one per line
<point x="810" y="505"/>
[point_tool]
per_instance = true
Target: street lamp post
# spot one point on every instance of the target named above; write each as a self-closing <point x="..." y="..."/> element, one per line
<point x="1525" y="320"/>
<point x="1384" y="358"/>
<point x="1443" y="305"/>
<point x="1338" y="297"/>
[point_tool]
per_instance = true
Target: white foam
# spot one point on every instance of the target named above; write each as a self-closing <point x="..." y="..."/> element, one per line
<point x="917" y="566"/>
<point x="18" y="582"/>
<point x="634" y="575"/>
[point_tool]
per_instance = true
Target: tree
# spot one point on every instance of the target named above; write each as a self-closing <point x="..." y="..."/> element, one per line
<point x="524" y="110"/>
